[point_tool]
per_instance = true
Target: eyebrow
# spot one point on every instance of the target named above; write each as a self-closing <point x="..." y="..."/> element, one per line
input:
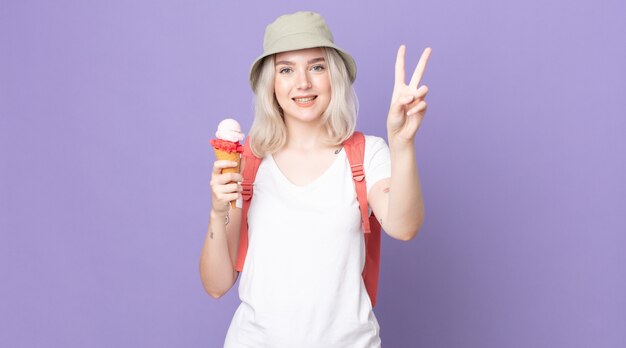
<point x="286" y="62"/>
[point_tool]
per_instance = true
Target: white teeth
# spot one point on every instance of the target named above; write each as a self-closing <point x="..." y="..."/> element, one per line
<point x="303" y="100"/>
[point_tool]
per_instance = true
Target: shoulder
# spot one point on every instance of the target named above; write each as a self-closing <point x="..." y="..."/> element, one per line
<point x="374" y="145"/>
<point x="373" y="142"/>
<point x="376" y="161"/>
<point x="375" y="150"/>
<point x="376" y="156"/>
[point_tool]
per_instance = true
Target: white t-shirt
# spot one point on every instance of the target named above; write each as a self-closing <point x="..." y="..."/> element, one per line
<point x="301" y="285"/>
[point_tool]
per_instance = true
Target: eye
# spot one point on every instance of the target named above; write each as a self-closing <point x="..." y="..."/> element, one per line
<point x="318" y="68"/>
<point x="284" y="70"/>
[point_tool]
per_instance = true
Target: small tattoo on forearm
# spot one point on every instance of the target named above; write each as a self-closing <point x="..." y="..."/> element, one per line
<point x="226" y="221"/>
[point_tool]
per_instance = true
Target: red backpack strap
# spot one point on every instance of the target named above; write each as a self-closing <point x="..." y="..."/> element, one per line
<point x="371" y="270"/>
<point x="355" y="150"/>
<point x="251" y="166"/>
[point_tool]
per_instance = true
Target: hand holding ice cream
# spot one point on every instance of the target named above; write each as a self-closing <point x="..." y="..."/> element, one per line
<point x="227" y="146"/>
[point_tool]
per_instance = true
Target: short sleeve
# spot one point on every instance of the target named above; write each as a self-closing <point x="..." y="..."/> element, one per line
<point x="377" y="161"/>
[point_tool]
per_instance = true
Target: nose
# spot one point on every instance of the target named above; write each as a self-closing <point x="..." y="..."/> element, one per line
<point x="303" y="81"/>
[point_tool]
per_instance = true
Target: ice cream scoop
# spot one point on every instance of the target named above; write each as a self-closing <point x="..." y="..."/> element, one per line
<point x="229" y="130"/>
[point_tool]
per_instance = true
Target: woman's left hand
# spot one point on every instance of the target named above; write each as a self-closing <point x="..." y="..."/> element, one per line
<point x="408" y="106"/>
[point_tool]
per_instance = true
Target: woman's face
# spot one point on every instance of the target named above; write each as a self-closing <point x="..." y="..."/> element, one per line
<point x="302" y="83"/>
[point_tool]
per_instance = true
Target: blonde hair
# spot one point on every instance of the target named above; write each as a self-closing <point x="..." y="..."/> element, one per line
<point x="269" y="133"/>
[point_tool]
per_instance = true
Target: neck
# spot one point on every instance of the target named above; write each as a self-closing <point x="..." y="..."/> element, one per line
<point x="305" y="135"/>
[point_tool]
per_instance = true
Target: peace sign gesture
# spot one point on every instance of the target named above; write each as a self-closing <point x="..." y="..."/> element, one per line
<point x="407" y="101"/>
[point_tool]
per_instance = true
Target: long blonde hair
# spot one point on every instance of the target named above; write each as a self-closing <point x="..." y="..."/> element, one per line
<point x="269" y="133"/>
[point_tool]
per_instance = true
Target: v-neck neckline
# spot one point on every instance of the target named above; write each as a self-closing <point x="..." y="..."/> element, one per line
<point x="315" y="181"/>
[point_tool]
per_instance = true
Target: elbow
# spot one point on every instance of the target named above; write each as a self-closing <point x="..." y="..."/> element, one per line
<point x="407" y="232"/>
<point x="215" y="294"/>
<point x="218" y="289"/>
<point x="408" y="235"/>
<point x="404" y="234"/>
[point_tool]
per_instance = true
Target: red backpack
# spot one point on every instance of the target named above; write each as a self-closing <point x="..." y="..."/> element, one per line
<point x="355" y="150"/>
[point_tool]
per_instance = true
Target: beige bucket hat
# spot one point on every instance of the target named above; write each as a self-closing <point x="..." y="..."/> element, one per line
<point x="298" y="31"/>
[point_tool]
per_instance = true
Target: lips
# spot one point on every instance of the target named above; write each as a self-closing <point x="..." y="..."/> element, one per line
<point x="304" y="100"/>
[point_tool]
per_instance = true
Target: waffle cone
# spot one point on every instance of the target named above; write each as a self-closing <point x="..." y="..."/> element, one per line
<point x="230" y="156"/>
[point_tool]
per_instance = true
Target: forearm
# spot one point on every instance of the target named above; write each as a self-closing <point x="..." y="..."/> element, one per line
<point x="216" y="268"/>
<point x="405" y="211"/>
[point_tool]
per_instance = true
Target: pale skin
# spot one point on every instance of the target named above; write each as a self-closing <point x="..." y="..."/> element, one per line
<point x="300" y="76"/>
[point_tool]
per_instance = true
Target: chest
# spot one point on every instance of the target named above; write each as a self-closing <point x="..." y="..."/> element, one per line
<point x="326" y="193"/>
<point x="303" y="168"/>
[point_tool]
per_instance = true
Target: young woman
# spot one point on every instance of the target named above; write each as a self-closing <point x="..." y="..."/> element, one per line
<point x="301" y="284"/>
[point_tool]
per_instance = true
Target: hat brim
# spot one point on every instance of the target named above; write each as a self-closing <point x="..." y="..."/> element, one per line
<point x="301" y="41"/>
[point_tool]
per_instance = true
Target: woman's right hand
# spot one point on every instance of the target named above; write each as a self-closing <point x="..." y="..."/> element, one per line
<point x="225" y="187"/>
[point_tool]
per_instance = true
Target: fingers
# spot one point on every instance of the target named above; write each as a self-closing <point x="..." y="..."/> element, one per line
<point x="219" y="166"/>
<point x="225" y="187"/>
<point x="228" y="188"/>
<point x="412" y="96"/>
<point x="222" y="164"/>
<point x="226" y="178"/>
<point x="420" y="107"/>
<point x="227" y="193"/>
<point x="224" y="193"/>
<point x="226" y="183"/>
<point x="419" y="70"/>
<point x="226" y="197"/>
<point x="420" y="93"/>
<point x="400" y="65"/>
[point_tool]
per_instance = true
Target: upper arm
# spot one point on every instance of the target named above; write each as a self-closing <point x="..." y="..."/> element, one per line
<point x="377" y="166"/>
<point x="378" y="199"/>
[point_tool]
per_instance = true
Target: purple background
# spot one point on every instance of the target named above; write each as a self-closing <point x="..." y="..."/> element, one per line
<point x="107" y="107"/>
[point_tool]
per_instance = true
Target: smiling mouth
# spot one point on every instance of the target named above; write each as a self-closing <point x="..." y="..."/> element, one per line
<point x="304" y="100"/>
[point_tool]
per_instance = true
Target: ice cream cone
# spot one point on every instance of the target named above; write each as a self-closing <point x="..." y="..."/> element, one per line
<point x="230" y="156"/>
